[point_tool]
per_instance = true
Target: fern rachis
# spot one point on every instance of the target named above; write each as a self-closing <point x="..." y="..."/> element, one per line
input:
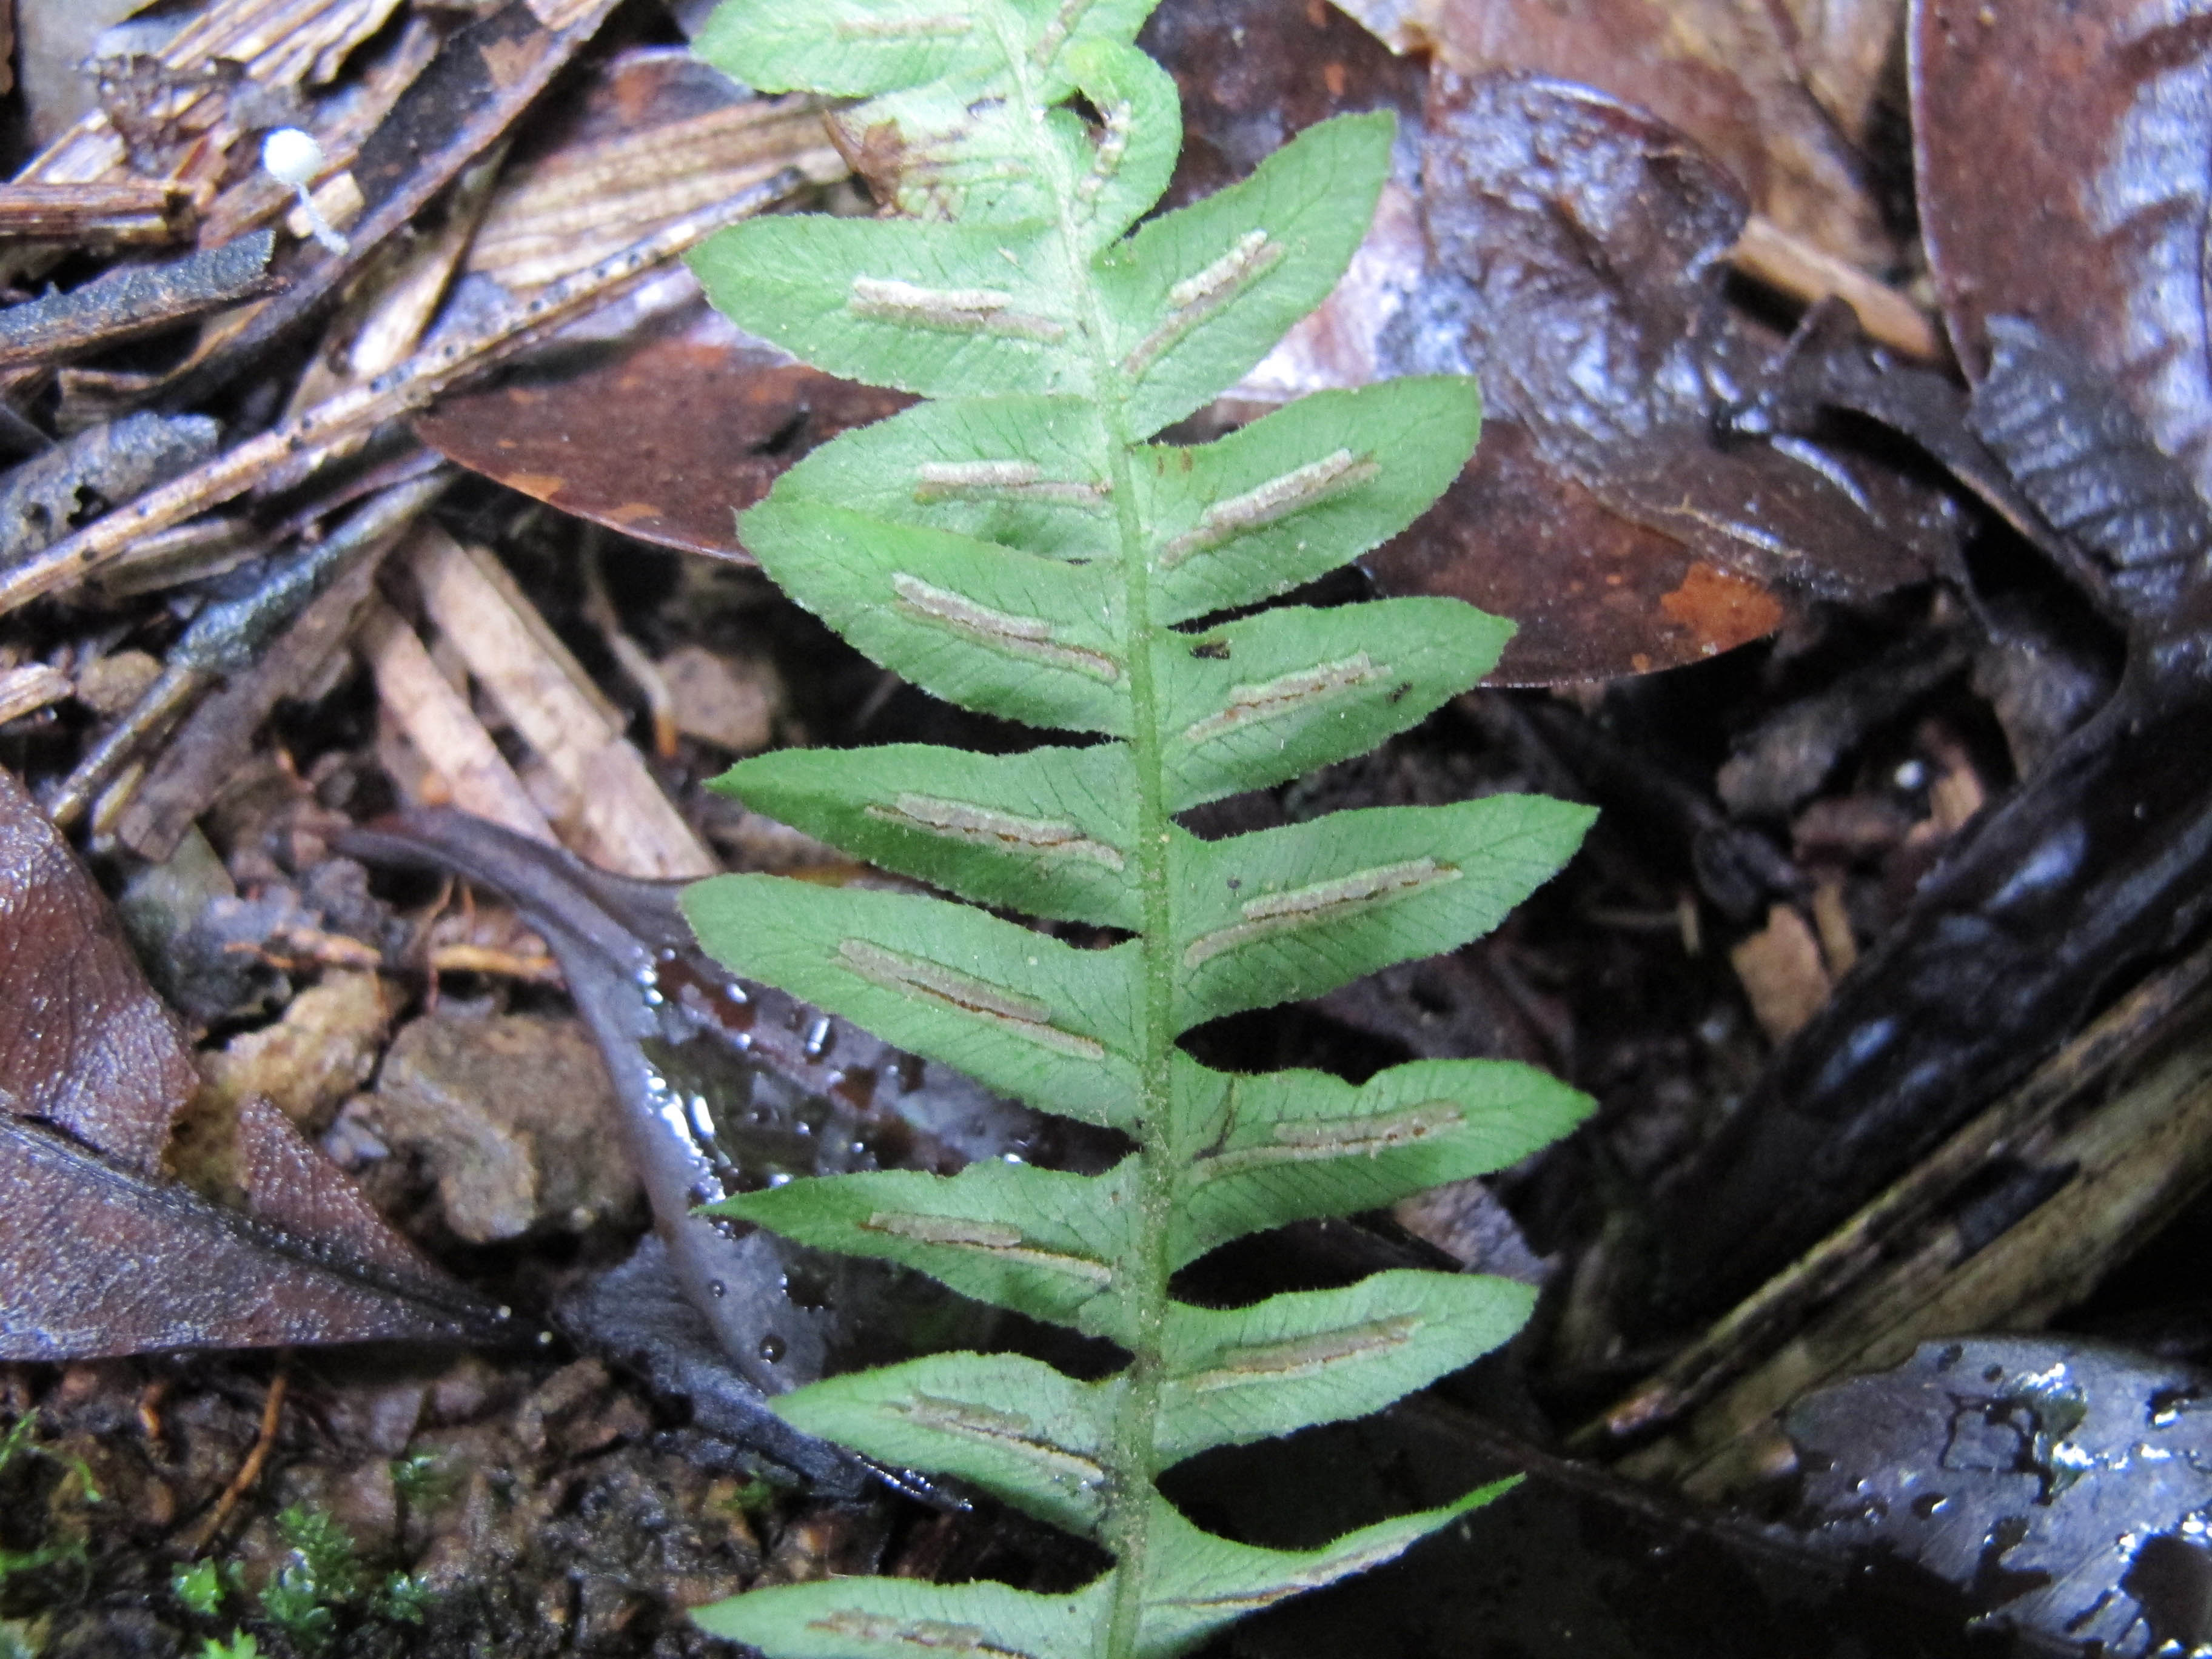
<point x="1019" y="546"/>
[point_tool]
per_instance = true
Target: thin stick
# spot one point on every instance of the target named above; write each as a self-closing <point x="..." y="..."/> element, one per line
<point x="272" y="1411"/>
<point x="1772" y="255"/>
<point x="423" y="377"/>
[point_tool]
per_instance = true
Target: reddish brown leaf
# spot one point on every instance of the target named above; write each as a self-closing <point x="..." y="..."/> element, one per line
<point x="666" y="441"/>
<point x="98" y="1253"/>
<point x="2084" y="212"/>
<point x="84" y="1043"/>
<point x="1594" y="594"/>
<point x="97" y="1260"/>
<point x="290" y="1185"/>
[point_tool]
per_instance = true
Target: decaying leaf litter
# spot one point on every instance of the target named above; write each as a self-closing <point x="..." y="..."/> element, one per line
<point x="1615" y="215"/>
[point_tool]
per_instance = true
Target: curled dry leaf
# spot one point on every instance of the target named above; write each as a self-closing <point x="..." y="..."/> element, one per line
<point x="100" y="1252"/>
<point x="2083" y="214"/>
<point x="1578" y="249"/>
<point x="1777" y="103"/>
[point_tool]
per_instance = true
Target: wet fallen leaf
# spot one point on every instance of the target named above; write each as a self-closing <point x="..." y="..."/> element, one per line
<point x="1739" y="77"/>
<point x="2060" y="1483"/>
<point x="1592" y="594"/>
<point x="86" y="1046"/>
<point x="1252" y="73"/>
<point x="1578" y="248"/>
<point x="97" y="1259"/>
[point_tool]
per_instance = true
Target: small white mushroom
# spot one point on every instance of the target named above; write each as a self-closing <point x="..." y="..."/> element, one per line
<point x="293" y="157"/>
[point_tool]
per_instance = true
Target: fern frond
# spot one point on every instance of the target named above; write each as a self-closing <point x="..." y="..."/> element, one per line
<point x="1022" y="546"/>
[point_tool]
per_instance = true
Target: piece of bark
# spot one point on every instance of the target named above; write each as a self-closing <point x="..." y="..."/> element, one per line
<point x="227" y="637"/>
<point x="483" y="77"/>
<point x="625" y="821"/>
<point x="381" y="327"/>
<point x="664" y="157"/>
<point x="217" y="738"/>
<point x="415" y="383"/>
<point x="123" y="212"/>
<point x="2015" y="1216"/>
<point x="437" y="718"/>
<point x="132" y="302"/>
<point x="46" y="497"/>
<point x="27" y="689"/>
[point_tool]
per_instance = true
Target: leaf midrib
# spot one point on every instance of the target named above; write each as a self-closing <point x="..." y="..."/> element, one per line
<point x="1131" y="1501"/>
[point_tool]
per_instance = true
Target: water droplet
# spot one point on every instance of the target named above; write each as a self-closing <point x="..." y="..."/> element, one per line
<point x="771" y="1349"/>
<point x="702" y="1118"/>
<point x="716" y="1289"/>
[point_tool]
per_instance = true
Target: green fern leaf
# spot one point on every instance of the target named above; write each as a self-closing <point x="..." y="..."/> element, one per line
<point x="1245" y="1374"/>
<point x="1040" y="1242"/>
<point x="898" y="1619"/>
<point x="1266" y="1151"/>
<point x="1022" y="547"/>
<point x="1015" y="1427"/>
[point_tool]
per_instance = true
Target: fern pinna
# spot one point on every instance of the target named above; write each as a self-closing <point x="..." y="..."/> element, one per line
<point x="1019" y="547"/>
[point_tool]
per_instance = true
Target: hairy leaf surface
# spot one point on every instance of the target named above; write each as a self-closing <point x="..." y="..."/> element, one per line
<point x="1297" y="494"/>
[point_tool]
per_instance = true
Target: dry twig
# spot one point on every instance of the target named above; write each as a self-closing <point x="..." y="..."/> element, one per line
<point x="109" y="540"/>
